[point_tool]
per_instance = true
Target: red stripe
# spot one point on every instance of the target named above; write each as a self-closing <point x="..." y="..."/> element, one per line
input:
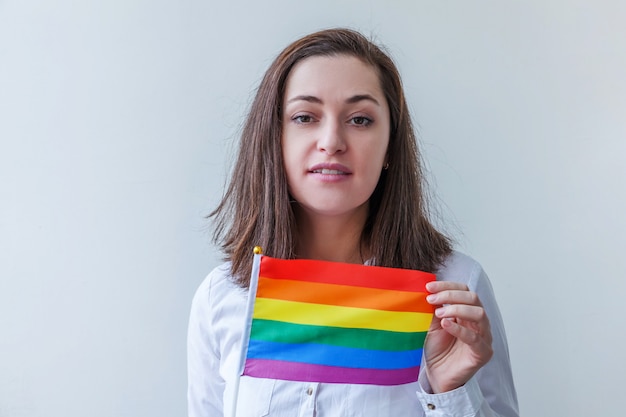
<point x="345" y="274"/>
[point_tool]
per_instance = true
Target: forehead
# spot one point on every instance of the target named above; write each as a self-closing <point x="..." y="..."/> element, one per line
<point x="340" y="74"/>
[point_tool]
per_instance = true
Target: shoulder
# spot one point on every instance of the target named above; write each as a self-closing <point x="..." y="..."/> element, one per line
<point x="219" y="276"/>
<point x="218" y="286"/>
<point x="459" y="267"/>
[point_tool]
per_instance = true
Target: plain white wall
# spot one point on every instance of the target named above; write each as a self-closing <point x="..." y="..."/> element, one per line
<point x="117" y="124"/>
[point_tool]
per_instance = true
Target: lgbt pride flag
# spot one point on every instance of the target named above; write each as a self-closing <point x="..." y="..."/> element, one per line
<point x="323" y="321"/>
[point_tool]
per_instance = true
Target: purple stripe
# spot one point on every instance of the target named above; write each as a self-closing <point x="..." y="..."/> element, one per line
<point x="294" y="371"/>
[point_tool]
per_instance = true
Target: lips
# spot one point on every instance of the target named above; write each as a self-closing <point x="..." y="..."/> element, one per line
<point x="330" y="169"/>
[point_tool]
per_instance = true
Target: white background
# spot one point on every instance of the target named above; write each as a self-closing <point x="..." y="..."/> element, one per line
<point x="118" y="120"/>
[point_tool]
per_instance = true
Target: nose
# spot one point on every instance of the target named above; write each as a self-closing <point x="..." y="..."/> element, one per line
<point x="331" y="138"/>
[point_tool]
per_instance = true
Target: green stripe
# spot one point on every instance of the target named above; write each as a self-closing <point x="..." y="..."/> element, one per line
<point x="278" y="331"/>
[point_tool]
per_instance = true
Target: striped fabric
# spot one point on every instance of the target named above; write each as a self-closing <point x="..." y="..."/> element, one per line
<point x="332" y="322"/>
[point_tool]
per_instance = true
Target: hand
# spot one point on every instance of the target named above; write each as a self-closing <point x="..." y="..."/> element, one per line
<point x="459" y="339"/>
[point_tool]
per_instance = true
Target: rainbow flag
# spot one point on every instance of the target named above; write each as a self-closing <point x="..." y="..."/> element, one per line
<point x="332" y="322"/>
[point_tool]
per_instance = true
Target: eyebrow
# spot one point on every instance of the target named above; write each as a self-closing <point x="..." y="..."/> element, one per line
<point x="350" y="100"/>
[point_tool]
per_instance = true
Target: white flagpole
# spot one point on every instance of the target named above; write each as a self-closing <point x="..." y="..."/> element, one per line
<point x="245" y="339"/>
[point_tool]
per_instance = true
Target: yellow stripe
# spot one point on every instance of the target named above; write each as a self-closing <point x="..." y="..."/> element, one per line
<point x="338" y="316"/>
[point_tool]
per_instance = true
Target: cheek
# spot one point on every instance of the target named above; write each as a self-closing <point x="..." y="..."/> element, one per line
<point x="294" y="151"/>
<point x="288" y="155"/>
<point x="378" y="153"/>
<point x="291" y="161"/>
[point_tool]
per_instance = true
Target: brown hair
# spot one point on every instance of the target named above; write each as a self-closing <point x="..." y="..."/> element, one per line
<point x="255" y="209"/>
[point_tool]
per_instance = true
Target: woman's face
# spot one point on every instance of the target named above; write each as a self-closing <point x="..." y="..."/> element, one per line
<point x="335" y="132"/>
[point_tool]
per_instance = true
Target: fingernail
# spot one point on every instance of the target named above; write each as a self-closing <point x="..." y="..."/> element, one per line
<point x="431" y="298"/>
<point x="439" y="312"/>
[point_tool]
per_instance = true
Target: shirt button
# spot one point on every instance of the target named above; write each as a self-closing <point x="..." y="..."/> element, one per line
<point x="431" y="406"/>
<point x="309" y="391"/>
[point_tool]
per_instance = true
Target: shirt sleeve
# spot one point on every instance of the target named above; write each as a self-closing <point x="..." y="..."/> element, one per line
<point x="205" y="388"/>
<point x="491" y="391"/>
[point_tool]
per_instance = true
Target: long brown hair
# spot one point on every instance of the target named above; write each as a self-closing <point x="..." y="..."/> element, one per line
<point x="255" y="209"/>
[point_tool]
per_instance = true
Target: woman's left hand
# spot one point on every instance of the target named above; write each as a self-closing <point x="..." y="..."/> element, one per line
<point x="459" y="339"/>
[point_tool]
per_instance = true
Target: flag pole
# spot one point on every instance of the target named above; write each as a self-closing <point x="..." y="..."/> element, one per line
<point x="245" y="338"/>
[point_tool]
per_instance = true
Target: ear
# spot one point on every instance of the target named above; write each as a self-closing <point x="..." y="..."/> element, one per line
<point x="386" y="161"/>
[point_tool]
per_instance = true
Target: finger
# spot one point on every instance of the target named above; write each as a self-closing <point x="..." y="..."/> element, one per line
<point x="470" y="317"/>
<point x="437" y="286"/>
<point x="454" y="297"/>
<point x="471" y="313"/>
<point x="480" y="343"/>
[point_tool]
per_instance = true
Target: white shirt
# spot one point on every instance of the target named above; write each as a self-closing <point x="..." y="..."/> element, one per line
<point x="214" y="345"/>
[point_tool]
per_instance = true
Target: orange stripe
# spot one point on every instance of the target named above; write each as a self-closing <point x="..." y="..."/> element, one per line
<point x="342" y="295"/>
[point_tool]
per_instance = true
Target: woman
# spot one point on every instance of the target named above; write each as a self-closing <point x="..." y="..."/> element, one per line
<point x="328" y="168"/>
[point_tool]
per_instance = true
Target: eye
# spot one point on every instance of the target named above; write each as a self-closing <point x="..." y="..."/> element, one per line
<point x="302" y="119"/>
<point x="361" y="121"/>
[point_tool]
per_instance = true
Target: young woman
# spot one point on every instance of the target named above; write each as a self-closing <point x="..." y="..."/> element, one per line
<point x="328" y="169"/>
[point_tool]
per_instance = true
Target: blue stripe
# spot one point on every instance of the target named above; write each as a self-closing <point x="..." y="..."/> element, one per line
<point x="333" y="355"/>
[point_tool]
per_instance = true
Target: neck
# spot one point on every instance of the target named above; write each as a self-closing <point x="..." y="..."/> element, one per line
<point x="331" y="238"/>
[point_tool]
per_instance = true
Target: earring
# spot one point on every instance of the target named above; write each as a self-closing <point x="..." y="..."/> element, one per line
<point x="386" y="166"/>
